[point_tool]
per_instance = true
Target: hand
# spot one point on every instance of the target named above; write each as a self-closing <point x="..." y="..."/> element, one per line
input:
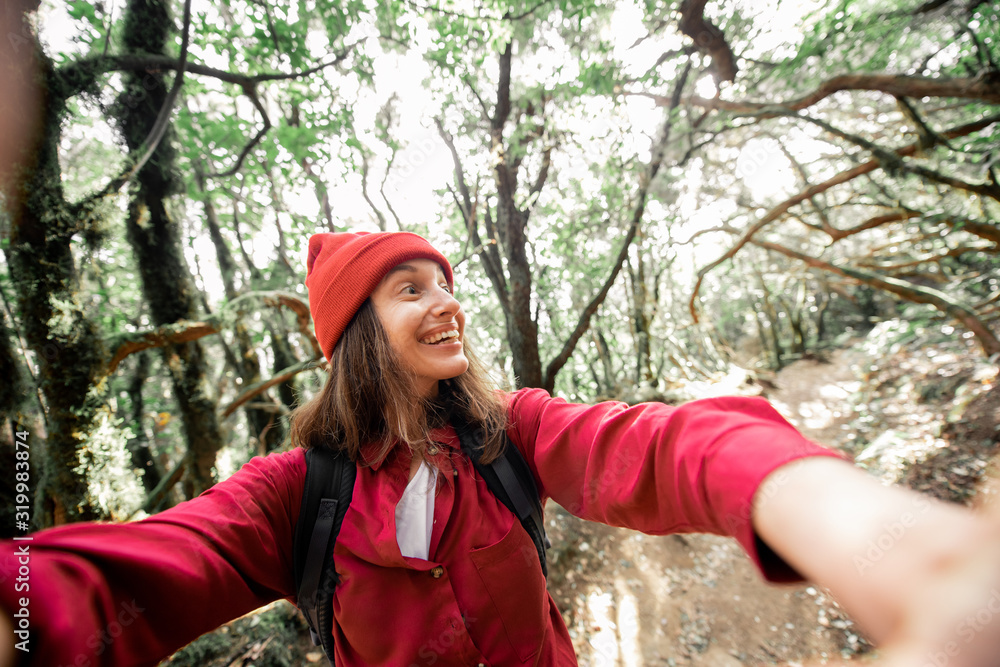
<point x="921" y="577"/>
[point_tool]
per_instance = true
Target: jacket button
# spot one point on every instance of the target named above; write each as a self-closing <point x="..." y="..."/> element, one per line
<point x="436" y="572"/>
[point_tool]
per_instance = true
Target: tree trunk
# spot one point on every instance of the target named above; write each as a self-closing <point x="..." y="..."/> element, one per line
<point x="67" y="344"/>
<point x="640" y="318"/>
<point x="522" y="329"/>
<point x="15" y="389"/>
<point x="154" y="237"/>
<point x="138" y="446"/>
<point x="773" y="325"/>
<point x="260" y="422"/>
<point x="284" y="357"/>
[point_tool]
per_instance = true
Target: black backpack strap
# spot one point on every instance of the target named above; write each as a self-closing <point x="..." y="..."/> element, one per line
<point x="326" y="495"/>
<point x="509" y="478"/>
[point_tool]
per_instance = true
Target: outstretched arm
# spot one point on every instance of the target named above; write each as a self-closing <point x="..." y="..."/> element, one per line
<point x="920" y="576"/>
<point x="131" y="594"/>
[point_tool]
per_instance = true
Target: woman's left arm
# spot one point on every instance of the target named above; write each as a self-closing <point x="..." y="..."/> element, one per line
<point x="918" y="575"/>
<point x="657" y="468"/>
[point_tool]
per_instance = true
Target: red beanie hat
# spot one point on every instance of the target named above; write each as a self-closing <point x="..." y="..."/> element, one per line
<point x="344" y="269"/>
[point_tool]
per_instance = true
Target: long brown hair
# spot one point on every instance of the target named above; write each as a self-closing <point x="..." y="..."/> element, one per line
<point x="369" y="397"/>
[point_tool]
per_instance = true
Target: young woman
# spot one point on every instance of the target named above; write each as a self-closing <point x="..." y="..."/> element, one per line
<point x="434" y="570"/>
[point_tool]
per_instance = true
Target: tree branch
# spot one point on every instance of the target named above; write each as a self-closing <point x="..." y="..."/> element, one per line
<point x="186" y="330"/>
<point x="583" y="323"/>
<point x="169" y="334"/>
<point x="908" y="291"/>
<point x="86" y="69"/>
<point x="364" y="191"/>
<point x="708" y="38"/>
<point x="277" y="299"/>
<point x="898" y="85"/>
<point x="140" y="157"/>
<point x="251" y="92"/>
<point x="163" y="119"/>
<point x="475" y="93"/>
<point x="892" y="161"/>
<point x="124" y="63"/>
<point x="543" y="173"/>
<point x="843" y="177"/>
<point x="259" y="387"/>
<point x="494" y="270"/>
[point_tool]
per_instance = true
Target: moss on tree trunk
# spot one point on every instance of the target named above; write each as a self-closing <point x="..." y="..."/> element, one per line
<point x="69" y="353"/>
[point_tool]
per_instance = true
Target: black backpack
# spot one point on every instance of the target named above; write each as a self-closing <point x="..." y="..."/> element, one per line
<point x="327" y="494"/>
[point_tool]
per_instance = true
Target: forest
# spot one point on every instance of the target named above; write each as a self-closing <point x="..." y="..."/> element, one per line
<point x="635" y="195"/>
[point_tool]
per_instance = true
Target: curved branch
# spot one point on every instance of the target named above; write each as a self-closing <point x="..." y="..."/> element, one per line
<point x="979" y="88"/>
<point x="908" y="291"/>
<point x="149" y="145"/>
<point x="250" y="92"/>
<point x="163" y="119"/>
<point x="583" y="323"/>
<point x="262" y="386"/>
<point x="277" y="299"/>
<point x="843" y="177"/>
<point x="185" y="330"/>
<point x="87" y="68"/>
<point x="169" y="334"/>
<point x="891" y="161"/>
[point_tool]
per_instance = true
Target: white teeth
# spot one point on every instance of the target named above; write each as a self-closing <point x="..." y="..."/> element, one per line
<point x="435" y="338"/>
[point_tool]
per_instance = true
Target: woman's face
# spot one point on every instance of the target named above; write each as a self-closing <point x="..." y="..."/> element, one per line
<point x="424" y="322"/>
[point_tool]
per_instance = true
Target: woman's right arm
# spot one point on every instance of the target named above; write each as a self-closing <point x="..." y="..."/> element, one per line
<point x="131" y="594"/>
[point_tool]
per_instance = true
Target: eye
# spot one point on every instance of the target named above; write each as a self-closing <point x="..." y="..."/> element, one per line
<point x="445" y="287"/>
<point x="410" y="290"/>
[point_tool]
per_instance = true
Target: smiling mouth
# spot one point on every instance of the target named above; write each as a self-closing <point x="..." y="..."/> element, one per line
<point x="438" y="338"/>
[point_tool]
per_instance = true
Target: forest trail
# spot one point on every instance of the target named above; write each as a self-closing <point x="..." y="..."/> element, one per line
<point x="814" y="395"/>
<point x="631" y="599"/>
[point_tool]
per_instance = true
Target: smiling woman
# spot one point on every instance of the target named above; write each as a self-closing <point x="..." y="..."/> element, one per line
<point x="424" y="321"/>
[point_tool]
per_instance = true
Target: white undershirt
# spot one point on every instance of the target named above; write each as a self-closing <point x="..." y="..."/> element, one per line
<point x="415" y="514"/>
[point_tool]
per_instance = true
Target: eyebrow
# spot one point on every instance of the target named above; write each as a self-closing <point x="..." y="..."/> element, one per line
<point x="401" y="267"/>
<point x="409" y="268"/>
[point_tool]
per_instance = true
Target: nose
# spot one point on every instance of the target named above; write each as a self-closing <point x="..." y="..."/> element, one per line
<point x="445" y="302"/>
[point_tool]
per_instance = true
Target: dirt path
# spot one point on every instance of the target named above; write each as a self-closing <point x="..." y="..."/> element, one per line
<point x="815" y="395"/>
<point x="631" y="599"/>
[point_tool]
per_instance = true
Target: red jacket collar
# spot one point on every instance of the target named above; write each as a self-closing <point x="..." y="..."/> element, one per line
<point x="444" y="435"/>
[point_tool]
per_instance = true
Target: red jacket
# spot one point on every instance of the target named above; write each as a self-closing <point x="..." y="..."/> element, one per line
<point x="110" y="594"/>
